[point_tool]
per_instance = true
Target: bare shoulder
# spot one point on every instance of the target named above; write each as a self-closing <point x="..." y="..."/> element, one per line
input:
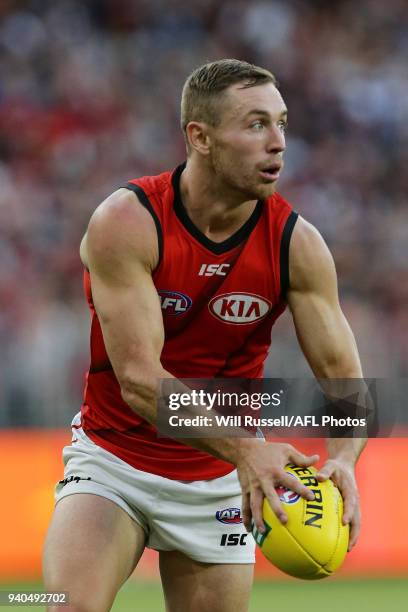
<point x="120" y="228"/>
<point x="310" y="261"/>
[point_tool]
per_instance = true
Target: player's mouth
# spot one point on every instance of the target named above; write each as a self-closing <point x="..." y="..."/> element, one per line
<point x="271" y="173"/>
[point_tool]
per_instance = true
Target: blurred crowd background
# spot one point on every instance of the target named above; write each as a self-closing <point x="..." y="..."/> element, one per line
<point x="89" y="97"/>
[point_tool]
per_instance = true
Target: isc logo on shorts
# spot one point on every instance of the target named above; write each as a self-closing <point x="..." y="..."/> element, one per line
<point x="239" y="308"/>
<point x="174" y="302"/>
<point x="229" y="516"/>
<point x="233" y="539"/>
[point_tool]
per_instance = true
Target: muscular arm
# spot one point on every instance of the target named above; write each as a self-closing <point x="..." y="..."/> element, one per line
<point x="321" y="327"/>
<point x="120" y="250"/>
<point x="327" y="343"/>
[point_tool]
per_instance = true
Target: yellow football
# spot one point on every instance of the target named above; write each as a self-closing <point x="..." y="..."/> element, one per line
<point x="313" y="543"/>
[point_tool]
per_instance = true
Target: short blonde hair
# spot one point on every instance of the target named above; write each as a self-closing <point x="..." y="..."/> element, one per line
<point x="205" y="87"/>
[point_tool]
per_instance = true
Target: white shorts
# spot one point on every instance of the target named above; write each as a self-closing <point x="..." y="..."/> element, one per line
<point x="198" y="518"/>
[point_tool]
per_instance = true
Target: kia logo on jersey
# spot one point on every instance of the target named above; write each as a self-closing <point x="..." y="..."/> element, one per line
<point x="239" y="308"/>
<point x="174" y="302"/>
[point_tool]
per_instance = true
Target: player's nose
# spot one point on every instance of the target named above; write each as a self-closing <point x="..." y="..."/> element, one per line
<point x="276" y="142"/>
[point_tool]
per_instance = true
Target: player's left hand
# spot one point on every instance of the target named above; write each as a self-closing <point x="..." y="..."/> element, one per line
<point x="342" y="474"/>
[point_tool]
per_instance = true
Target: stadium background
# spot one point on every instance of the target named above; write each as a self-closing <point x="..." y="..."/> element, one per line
<point x="89" y="97"/>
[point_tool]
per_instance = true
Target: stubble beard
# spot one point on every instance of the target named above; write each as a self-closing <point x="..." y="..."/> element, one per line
<point x="241" y="182"/>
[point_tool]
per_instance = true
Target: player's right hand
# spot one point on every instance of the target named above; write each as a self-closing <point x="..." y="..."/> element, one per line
<point x="261" y="469"/>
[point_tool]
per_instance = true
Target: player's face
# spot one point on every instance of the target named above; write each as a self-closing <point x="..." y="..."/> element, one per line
<point x="248" y="143"/>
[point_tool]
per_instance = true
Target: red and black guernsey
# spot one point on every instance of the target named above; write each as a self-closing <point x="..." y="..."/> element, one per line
<point x="219" y="303"/>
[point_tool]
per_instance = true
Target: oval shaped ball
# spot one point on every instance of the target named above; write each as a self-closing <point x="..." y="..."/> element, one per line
<point x="313" y="543"/>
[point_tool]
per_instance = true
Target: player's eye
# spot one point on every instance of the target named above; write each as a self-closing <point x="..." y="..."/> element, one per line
<point x="257" y="125"/>
<point x="283" y="126"/>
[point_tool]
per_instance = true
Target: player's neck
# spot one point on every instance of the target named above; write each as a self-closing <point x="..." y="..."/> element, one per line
<point x="216" y="211"/>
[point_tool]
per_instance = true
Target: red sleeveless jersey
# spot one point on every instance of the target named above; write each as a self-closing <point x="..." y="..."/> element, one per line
<point x="219" y="302"/>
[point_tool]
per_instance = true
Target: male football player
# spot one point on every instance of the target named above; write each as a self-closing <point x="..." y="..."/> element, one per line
<point x="185" y="274"/>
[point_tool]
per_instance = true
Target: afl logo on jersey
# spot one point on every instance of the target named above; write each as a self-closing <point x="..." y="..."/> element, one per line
<point x="239" y="308"/>
<point x="174" y="302"/>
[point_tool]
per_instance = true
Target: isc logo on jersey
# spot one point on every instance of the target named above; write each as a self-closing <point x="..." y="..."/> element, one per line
<point x="214" y="269"/>
<point x="174" y="302"/>
<point x="239" y="308"/>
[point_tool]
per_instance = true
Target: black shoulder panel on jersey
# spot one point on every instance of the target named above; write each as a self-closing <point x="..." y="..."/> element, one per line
<point x="284" y="252"/>
<point x="144" y="200"/>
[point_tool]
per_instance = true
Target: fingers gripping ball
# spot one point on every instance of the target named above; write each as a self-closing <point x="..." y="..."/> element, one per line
<point x="313" y="543"/>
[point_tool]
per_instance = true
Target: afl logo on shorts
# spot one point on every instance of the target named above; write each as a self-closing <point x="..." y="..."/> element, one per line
<point x="174" y="302"/>
<point x="229" y="516"/>
<point x="239" y="308"/>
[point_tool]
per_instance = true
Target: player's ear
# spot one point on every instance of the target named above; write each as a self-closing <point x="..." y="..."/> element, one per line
<point x="198" y="137"/>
